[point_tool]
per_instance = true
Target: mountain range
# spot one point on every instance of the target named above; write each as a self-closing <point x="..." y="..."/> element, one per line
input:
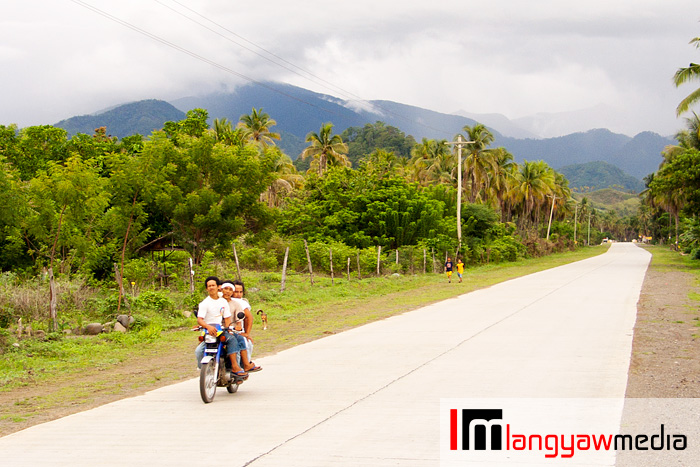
<point x="299" y="111"/>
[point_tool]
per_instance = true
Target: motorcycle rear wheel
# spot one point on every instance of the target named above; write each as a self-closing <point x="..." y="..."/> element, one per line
<point x="207" y="381"/>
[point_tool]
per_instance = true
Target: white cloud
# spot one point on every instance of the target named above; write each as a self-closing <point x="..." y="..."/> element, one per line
<point x="516" y="58"/>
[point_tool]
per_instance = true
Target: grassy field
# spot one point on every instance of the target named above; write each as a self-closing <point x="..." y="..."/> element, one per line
<point x="302" y="313"/>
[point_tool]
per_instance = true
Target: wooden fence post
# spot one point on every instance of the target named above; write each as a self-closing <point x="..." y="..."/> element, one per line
<point x="330" y="253"/>
<point x="433" y="251"/>
<point x="53" y="301"/>
<point x="348" y="269"/>
<point x="359" y="269"/>
<point x="379" y="258"/>
<point x="425" y="259"/>
<point x="308" y="258"/>
<point x="238" y="267"/>
<point x="284" y="270"/>
<point x="191" y="274"/>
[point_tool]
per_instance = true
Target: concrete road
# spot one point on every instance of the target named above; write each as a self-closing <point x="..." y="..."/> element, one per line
<point x="371" y="396"/>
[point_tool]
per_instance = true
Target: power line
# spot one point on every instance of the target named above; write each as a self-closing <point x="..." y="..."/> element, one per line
<point x="193" y="54"/>
<point x="334" y="88"/>
<point x="234" y="72"/>
<point x="330" y="86"/>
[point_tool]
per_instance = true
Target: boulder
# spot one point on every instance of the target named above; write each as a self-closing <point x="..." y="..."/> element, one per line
<point x="118" y="327"/>
<point x="124" y="320"/>
<point x="93" y="329"/>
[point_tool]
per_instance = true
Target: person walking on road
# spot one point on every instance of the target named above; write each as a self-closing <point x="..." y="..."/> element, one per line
<point x="448" y="269"/>
<point x="460" y="268"/>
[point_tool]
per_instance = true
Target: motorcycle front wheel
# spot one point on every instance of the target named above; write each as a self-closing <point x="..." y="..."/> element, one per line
<point x="207" y="381"/>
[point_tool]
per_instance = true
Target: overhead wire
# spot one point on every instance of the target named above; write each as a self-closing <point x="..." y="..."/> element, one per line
<point x="284" y="62"/>
<point x="334" y="88"/>
<point x="194" y="54"/>
<point x="324" y="83"/>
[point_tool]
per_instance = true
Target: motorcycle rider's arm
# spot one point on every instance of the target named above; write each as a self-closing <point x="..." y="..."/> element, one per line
<point x="210" y="329"/>
<point x="247" y="323"/>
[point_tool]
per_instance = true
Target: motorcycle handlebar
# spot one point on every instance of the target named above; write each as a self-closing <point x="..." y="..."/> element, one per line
<point x="201" y="328"/>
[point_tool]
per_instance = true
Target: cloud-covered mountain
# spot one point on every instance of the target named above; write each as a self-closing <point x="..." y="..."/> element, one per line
<point x="299" y="111"/>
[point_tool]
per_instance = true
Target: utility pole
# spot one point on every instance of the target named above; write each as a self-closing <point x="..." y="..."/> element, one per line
<point x="575" y="221"/>
<point x="458" y="144"/>
<point x="551" y="212"/>
<point x="589" y="229"/>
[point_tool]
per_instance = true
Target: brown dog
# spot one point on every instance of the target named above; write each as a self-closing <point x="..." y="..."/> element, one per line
<point x="263" y="318"/>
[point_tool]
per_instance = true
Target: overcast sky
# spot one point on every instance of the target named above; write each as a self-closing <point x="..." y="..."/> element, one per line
<point x="59" y="59"/>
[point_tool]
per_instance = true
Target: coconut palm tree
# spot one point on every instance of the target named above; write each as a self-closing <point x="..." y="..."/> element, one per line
<point x="690" y="137"/>
<point x="500" y="179"/>
<point x="285" y="179"/>
<point x="423" y="156"/>
<point x="533" y="183"/>
<point x="683" y="75"/>
<point x="258" y="126"/>
<point x="435" y="161"/>
<point x="326" y="149"/>
<point x="225" y="133"/>
<point x="382" y="163"/>
<point x="479" y="161"/>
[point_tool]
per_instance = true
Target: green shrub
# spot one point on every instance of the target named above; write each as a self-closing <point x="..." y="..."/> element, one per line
<point x="695" y="254"/>
<point x="140" y="322"/>
<point x="107" y="307"/>
<point x="5" y="340"/>
<point x="191" y="301"/>
<point x="151" y="300"/>
<point x="6" y="317"/>
<point x="142" y="271"/>
<point x="257" y="258"/>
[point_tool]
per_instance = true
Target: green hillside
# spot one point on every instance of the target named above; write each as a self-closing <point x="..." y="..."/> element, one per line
<point x="598" y="175"/>
<point x="141" y="117"/>
<point x="609" y="199"/>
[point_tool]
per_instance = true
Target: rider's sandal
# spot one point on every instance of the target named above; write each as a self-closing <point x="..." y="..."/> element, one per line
<point x="240" y="373"/>
<point x="254" y="369"/>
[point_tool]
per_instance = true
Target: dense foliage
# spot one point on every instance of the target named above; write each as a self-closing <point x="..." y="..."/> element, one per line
<point x="94" y="206"/>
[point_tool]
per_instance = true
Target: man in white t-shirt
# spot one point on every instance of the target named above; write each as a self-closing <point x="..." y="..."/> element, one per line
<point x="214" y="311"/>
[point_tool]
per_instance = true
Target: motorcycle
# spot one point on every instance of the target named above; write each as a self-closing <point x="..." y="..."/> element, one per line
<point x="215" y="366"/>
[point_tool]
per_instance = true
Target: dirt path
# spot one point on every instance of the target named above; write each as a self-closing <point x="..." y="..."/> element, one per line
<point x="665" y="362"/>
<point x="666" y="348"/>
